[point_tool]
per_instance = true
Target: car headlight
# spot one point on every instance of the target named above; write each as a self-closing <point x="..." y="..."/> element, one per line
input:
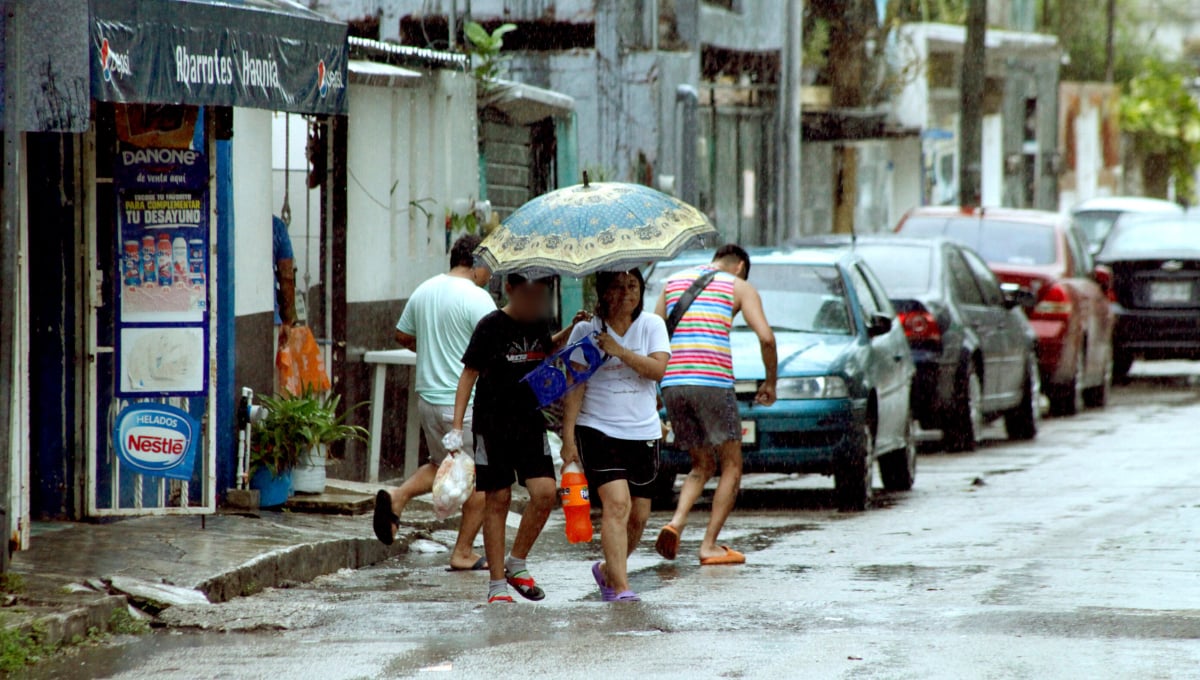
<point x="823" y="387"/>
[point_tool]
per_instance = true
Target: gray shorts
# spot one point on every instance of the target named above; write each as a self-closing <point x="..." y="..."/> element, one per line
<point x="435" y="423"/>
<point x="702" y="417"/>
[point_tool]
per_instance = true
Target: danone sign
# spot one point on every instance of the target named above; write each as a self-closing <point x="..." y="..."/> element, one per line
<point x="259" y="54"/>
<point x="157" y="440"/>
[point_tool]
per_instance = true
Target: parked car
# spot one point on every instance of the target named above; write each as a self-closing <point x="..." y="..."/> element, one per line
<point x="1096" y="216"/>
<point x="1042" y="253"/>
<point x="974" y="350"/>
<point x="1155" y="294"/>
<point x="845" y="373"/>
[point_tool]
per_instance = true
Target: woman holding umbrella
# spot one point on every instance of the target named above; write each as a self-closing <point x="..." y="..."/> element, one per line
<point x="611" y="423"/>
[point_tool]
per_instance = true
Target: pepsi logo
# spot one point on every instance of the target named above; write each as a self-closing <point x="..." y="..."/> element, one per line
<point x="324" y="85"/>
<point x="328" y="79"/>
<point x="113" y="62"/>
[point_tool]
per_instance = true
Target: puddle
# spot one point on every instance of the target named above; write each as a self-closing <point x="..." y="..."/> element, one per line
<point x="916" y="576"/>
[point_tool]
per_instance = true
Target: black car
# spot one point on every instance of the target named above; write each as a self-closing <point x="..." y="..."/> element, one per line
<point x="973" y="347"/>
<point x="1155" y="289"/>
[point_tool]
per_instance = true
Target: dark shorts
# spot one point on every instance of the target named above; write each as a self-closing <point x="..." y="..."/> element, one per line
<point x="606" y="459"/>
<point x="502" y="459"/>
<point x="702" y="417"/>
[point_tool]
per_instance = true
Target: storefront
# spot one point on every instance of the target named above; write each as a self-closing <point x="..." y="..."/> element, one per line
<point x="127" y="278"/>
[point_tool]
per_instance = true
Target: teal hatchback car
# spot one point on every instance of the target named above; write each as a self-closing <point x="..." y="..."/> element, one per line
<point x="845" y="373"/>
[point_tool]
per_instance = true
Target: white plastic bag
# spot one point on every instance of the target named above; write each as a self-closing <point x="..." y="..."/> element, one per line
<point x="453" y="484"/>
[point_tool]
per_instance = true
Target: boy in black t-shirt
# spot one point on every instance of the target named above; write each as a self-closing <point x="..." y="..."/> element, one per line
<point x="509" y="429"/>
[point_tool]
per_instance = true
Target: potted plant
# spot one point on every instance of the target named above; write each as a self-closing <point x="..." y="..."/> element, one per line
<point x="295" y="436"/>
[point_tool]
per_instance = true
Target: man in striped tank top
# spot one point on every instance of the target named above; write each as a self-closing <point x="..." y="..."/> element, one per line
<point x="698" y="391"/>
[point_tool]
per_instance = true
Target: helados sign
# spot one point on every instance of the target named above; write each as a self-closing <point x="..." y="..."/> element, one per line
<point x="157" y="440"/>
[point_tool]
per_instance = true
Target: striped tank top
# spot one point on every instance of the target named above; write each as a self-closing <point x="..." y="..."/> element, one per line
<point x="700" y="353"/>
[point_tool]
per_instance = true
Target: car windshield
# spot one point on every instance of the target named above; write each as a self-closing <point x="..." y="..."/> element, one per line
<point x="905" y="270"/>
<point x="797" y="298"/>
<point x="1095" y="224"/>
<point x="1153" y="237"/>
<point x="998" y="241"/>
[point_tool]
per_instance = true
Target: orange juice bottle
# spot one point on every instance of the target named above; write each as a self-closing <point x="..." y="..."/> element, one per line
<point x="576" y="506"/>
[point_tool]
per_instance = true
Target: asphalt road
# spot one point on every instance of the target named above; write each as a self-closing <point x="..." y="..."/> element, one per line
<point x="1073" y="556"/>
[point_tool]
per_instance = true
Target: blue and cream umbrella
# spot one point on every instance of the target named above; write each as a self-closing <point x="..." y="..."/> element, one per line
<point x="591" y="227"/>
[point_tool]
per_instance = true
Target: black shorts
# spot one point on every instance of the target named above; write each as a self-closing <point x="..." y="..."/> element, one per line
<point x="501" y="459"/>
<point x="606" y="459"/>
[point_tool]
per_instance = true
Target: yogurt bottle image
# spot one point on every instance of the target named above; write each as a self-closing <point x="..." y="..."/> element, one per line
<point x="179" y="256"/>
<point x="164" y="260"/>
<point x="131" y="264"/>
<point x="149" y="263"/>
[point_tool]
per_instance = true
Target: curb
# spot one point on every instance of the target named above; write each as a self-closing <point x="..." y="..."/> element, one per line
<point x="63" y="627"/>
<point x="306" y="561"/>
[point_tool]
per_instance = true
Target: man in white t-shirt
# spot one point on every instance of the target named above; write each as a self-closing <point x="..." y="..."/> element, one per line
<point x="437" y="324"/>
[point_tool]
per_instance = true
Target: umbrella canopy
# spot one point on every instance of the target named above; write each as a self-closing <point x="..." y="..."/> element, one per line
<point x="591" y="227"/>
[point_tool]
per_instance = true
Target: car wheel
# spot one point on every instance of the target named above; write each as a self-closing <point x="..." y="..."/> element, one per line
<point x="1067" y="399"/>
<point x="1022" y="422"/>
<point x="854" y="478"/>
<point x="966" y="423"/>
<point x="898" y="469"/>
<point x="1097" y="397"/>
<point x="1121" y="363"/>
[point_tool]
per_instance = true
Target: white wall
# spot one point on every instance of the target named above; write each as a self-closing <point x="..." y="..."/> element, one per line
<point x="906" y="189"/>
<point x="290" y="170"/>
<point x="406" y="144"/>
<point x="991" y="161"/>
<point x="254" y="287"/>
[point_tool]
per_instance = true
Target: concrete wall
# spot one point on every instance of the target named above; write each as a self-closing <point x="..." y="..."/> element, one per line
<point x="757" y="27"/>
<point x="406" y="145"/>
<point x="254" y="284"/>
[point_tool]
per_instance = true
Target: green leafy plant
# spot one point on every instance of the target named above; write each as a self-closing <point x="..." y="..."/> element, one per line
<point x="485" y="48"/>
<point x="294" y="424"/>
<point x="1163" y="120"/>
<point x="461" y="223"/>
<point x="123" y="623"/>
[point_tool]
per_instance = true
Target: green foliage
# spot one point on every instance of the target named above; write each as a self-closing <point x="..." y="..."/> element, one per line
<point x="938" y="11"/>
<point x="296" y="423"/>
<point x="123" y="623"/>
<point x="461" y="223"/>
<point x="1163" y="120"/>
<point x="12" y="583"/>
<point x="19" y="648"/>
<point x="816" y="43"/>
<point x="485" y="48"/>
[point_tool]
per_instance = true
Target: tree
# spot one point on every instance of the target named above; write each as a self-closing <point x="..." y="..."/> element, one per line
<point x="1163" y="121"/>
<point x="970" y="126"/>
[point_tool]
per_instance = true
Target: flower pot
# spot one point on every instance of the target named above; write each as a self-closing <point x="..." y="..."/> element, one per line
<point x="309" y="474"/>
<point x="272" y="491"/>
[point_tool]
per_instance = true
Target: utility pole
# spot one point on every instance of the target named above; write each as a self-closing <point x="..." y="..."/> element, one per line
<point x="970" y="85"/>
<point x="1109" y="51"/>
<point x="789" y="218"/>
<point x="9" y="219"/>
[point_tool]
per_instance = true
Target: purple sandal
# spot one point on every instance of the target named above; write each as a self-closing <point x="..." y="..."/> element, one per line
<point x="627" y="596"/>
<point x="606" y="594"/>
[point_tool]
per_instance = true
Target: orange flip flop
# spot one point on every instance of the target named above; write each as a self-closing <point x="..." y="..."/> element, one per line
<point x="667" y="544"/>
<point x="731" y="556"/>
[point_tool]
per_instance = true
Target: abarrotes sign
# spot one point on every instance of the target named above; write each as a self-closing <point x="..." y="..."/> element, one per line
<point x="258" y="54"/>
<point x="157" y="440"/>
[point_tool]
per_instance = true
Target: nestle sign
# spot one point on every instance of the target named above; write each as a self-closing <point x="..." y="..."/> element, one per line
<point x="157" y="440"/>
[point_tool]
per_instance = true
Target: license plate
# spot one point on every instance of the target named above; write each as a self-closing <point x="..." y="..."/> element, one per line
<point x="1171" y="291"/>
<point x="749" y="432"/>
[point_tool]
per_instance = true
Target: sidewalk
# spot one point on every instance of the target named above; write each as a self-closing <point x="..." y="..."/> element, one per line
<point x="74" y="576"/>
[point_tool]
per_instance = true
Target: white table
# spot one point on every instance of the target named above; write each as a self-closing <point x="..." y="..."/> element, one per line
<point x="383" y="359"/>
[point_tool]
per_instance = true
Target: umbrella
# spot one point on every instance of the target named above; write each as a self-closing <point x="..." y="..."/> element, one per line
<point x="591" y="227"/>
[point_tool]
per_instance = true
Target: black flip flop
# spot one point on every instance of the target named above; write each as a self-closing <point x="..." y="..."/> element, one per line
<point x="385" y="519"/>
<point x="480" y="565"/>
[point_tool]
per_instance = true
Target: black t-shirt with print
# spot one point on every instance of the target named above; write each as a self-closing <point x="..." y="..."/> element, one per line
<point x="505" y="350"/>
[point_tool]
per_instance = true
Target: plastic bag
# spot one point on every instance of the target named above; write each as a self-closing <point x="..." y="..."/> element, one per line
<point x="299" y="363"/>
<point x="453" y="484"/>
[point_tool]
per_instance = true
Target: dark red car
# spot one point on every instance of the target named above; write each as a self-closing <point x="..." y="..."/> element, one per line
<point x="1044" y="254"/>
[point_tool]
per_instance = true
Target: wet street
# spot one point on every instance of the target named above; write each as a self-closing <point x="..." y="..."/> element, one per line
<point x="1073" y="556"/>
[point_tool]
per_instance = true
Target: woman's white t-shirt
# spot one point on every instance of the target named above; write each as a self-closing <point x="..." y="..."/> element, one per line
<point x="617" y="401"/>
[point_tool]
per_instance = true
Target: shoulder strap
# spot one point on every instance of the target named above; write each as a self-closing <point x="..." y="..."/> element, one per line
<point x="689" y="296"/>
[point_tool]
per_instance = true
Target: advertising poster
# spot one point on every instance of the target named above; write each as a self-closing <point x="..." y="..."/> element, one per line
<point x="162" y="253"/>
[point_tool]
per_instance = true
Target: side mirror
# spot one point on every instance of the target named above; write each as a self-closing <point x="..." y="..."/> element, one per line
<point x="1103" y="276"/>
<point x="878" y="324"/>
<point x="1016" y="296"/>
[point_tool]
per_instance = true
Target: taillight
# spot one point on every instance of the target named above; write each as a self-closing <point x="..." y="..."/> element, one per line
<point x="1055" y="302"/>
<point x="920" y="325"/>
